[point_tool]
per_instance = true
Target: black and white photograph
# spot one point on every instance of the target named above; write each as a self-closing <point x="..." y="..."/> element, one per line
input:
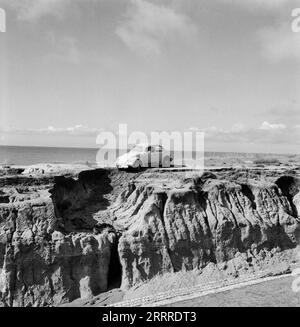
<point x="149" y="157"/>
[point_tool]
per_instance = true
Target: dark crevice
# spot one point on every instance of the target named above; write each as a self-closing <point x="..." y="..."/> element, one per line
<point x="114" y="278"/>
<point x="4" y="199"/>
<point x="246" y="190"/>
<point x="289" y="187"/>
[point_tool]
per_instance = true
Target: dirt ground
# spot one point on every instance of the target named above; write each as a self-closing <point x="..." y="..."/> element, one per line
<point x="274" y="293"/>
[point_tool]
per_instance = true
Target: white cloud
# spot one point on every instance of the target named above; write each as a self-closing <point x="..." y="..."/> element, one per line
<point x="261" y="4"/>
<point x="277" y="41"/>
<point x="77" y="130"/>
<point x="266" y="134"/>
<point x="33" y="10"/>
<point x="267" y="126"/>
<point x="148" y="27"/>
<point x="280" y="43"/>
<point x="238" y="127"/>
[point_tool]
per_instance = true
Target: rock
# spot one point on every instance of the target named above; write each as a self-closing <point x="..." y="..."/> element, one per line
<point x="190" y="228"/>
<point x="42" y="265"/>
<point x="72" y="237"/>
<point x="41" y="269"/>
<point x="296" y="202"/>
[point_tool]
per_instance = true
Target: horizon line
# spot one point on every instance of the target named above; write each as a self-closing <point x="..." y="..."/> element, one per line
<point x="95" y="148"/>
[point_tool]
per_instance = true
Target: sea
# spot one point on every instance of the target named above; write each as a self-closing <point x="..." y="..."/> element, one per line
<point x="24" y="155"/>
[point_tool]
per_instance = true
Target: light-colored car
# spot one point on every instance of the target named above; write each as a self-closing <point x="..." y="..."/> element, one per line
<point x="145" y="156"/>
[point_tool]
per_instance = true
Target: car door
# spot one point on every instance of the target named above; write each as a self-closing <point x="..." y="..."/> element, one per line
<point x="149" y="158"/>
<point x="155" y="156"/>
<point x="144" y="157"/>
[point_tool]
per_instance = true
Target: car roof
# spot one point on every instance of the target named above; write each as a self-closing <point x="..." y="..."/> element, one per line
<point x="147" y="144"/>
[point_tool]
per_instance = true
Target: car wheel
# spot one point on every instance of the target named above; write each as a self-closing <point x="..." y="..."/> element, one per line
<point x="137" y="165"/>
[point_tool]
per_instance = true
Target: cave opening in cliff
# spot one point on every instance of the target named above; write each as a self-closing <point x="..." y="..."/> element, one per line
<point x="289" y="187"/>
<point x="115" y="268"/>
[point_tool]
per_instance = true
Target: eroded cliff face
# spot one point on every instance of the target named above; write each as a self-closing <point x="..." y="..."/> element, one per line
<point x="63" y="238"/>
<point x="44" y="258"/>
<point x="206" y="222"/>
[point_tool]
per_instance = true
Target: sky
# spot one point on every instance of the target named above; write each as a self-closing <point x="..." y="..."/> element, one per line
<point x="70" y="69"/>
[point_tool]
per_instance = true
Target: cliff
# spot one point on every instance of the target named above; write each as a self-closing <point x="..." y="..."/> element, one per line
<point x="65" y="237"/>
<point x="45" y="258"/>
<point x="188" y="228"/>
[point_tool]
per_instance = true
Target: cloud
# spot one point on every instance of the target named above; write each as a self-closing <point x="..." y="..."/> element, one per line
<point x="266" y="134"/>
<point x="77" y="130"/>
<point x="70" y="50"/>
<point x="236" y="128"/>
<point x="267" y="126"/>
<point x="277" y="40"/>
<point x="148" y="27"/>
<point x="259" y="4"/>
<point x="288" y="113"/>
<point x="65" y="49"/>
<point x="33" y="10"/>
<point x="279" y="43"/>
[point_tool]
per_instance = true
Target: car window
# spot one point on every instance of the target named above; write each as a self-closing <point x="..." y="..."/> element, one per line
<point x="157" y="148"/>
<point x="154" y="148"/>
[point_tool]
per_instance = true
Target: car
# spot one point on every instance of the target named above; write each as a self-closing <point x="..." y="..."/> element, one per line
<point x="145" y="156"/>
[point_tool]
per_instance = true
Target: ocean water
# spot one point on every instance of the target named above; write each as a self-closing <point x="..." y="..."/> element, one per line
<point x="14" y="155"/>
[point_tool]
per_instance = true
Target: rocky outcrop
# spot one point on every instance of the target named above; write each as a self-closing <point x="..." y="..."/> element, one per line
<point x="42" y="261"/>
<point x="208" y="221"/>
<point x="76" y="201"/>
<point x="72" y="237"/>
